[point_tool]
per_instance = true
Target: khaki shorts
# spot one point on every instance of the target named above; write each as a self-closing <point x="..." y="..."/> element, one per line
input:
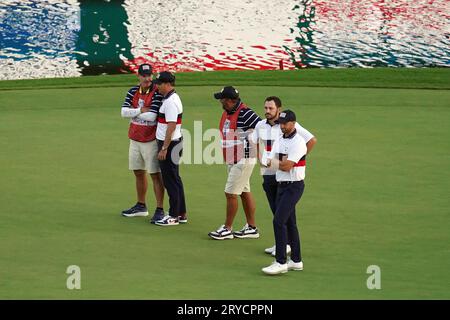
<point x="239" y="176"/>
<point x="143" y="156"/>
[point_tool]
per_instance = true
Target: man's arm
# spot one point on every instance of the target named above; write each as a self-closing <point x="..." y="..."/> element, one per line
<point x="286" y="165"/>
<point x="169" y="133"/>
<point x="310" y="144"/>
<point x="310" y="139"/>
<point x="272" y="162"/>
<point x="283" y="165"/>
<point x="143" y="113"/>
<point x="294" y="155"/>
<point x="249" y="131"/>
<point x="151" y="113"/>
<point x="130" y="112"/>
<point x="171" y="115"/>
<point x="167" y="140"/>
<point x="249" y="118"/>
<point x="127" y="111"/>
<point x="147" y="114"/>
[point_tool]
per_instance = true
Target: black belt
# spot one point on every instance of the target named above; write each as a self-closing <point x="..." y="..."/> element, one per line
<point x="288" y="182"/>
<point x="176" y="140"/>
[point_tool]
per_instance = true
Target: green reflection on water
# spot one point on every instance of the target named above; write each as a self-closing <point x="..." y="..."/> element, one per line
<point x="103" y="37"/>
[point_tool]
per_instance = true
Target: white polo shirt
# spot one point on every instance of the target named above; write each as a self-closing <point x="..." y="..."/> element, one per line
<point x="171" y="110"/>
<point x="294" y="147"/>
<point x="267" y="134"/>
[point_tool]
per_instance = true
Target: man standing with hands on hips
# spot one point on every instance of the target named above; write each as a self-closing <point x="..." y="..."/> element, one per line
<point x="168" y="135"/>
<point x="288" y="156"/>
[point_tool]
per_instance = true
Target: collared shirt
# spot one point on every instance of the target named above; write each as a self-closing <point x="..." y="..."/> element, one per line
<point x="171" y="110"/>
<point x="127" y="109"/>
<point x="247" y="120"/>
<point x="267" y="134"/>
<point x="294" y="147"/>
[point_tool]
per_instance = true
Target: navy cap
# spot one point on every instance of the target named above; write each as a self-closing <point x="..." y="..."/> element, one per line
<point x="287" y="116"/>
<point x="165" y="77"/>
<point x="145" y="69"/>
<point x="227" y="93"/>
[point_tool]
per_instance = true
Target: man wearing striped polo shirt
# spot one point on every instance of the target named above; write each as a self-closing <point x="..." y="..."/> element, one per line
<point x="236" y="124"/>
<point x="288" y="157"/>
<point x="266" y="132"/>
<point x="143" y="150"/>
<point x="170" y="146"/>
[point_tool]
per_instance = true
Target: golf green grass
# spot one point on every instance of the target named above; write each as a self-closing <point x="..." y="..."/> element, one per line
<point x="376" y="193"/>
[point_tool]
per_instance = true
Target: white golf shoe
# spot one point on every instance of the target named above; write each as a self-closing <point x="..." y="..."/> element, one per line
<point x="271" y="250"/>
<point x="275" y="268"/>
<point x="296" y="266"/>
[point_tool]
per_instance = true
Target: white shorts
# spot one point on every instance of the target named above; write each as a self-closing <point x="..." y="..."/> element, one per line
<point x="239" y="176"/>
<point x="143" y="156"/>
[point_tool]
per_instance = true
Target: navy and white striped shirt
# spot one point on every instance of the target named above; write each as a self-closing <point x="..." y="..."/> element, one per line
<point x="156" y="100"/>
<point x="247" y="119"/>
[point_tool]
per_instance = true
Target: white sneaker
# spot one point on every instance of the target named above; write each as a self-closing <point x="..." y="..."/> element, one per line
<point x="275" y="268"/>
<point x="288" y="250"/>
<point x="221" y="234"/>
<point x="167" y="221"/>
<point x="247" y="232"/>
<point x="297" y="266"/>
<point x="270" y="250"/>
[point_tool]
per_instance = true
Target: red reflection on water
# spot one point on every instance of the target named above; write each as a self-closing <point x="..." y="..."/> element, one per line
<point x="343" y="21"/>
<point x="231" y="60"/>
<point x="423" y="13"/>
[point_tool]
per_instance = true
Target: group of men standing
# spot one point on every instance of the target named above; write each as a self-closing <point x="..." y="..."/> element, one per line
<point x="156" y="147"/>
<point x="283" y="162"/>
<point x="155" y="111"/>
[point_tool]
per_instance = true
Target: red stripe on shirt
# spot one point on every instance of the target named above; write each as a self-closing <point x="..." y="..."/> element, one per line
<point x="301" y="163"/>
<point x="163" y="120"/>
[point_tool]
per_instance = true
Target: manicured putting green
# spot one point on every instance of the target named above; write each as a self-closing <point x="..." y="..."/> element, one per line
<point x="376" y="194"/>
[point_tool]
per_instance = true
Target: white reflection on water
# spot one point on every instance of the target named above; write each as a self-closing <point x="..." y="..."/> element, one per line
<point x="379" y="33"/>
<point x="40" y="38"/>
<point x="208" y="35"/>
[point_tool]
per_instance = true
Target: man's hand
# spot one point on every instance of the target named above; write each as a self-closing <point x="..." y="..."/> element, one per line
<point x="162" y="155"/>
<point x="145" y="109"/>
<point x="273" y="164"/>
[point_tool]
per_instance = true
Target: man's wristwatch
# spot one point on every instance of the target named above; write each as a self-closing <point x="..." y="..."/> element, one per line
<point x="163" y="148"/>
